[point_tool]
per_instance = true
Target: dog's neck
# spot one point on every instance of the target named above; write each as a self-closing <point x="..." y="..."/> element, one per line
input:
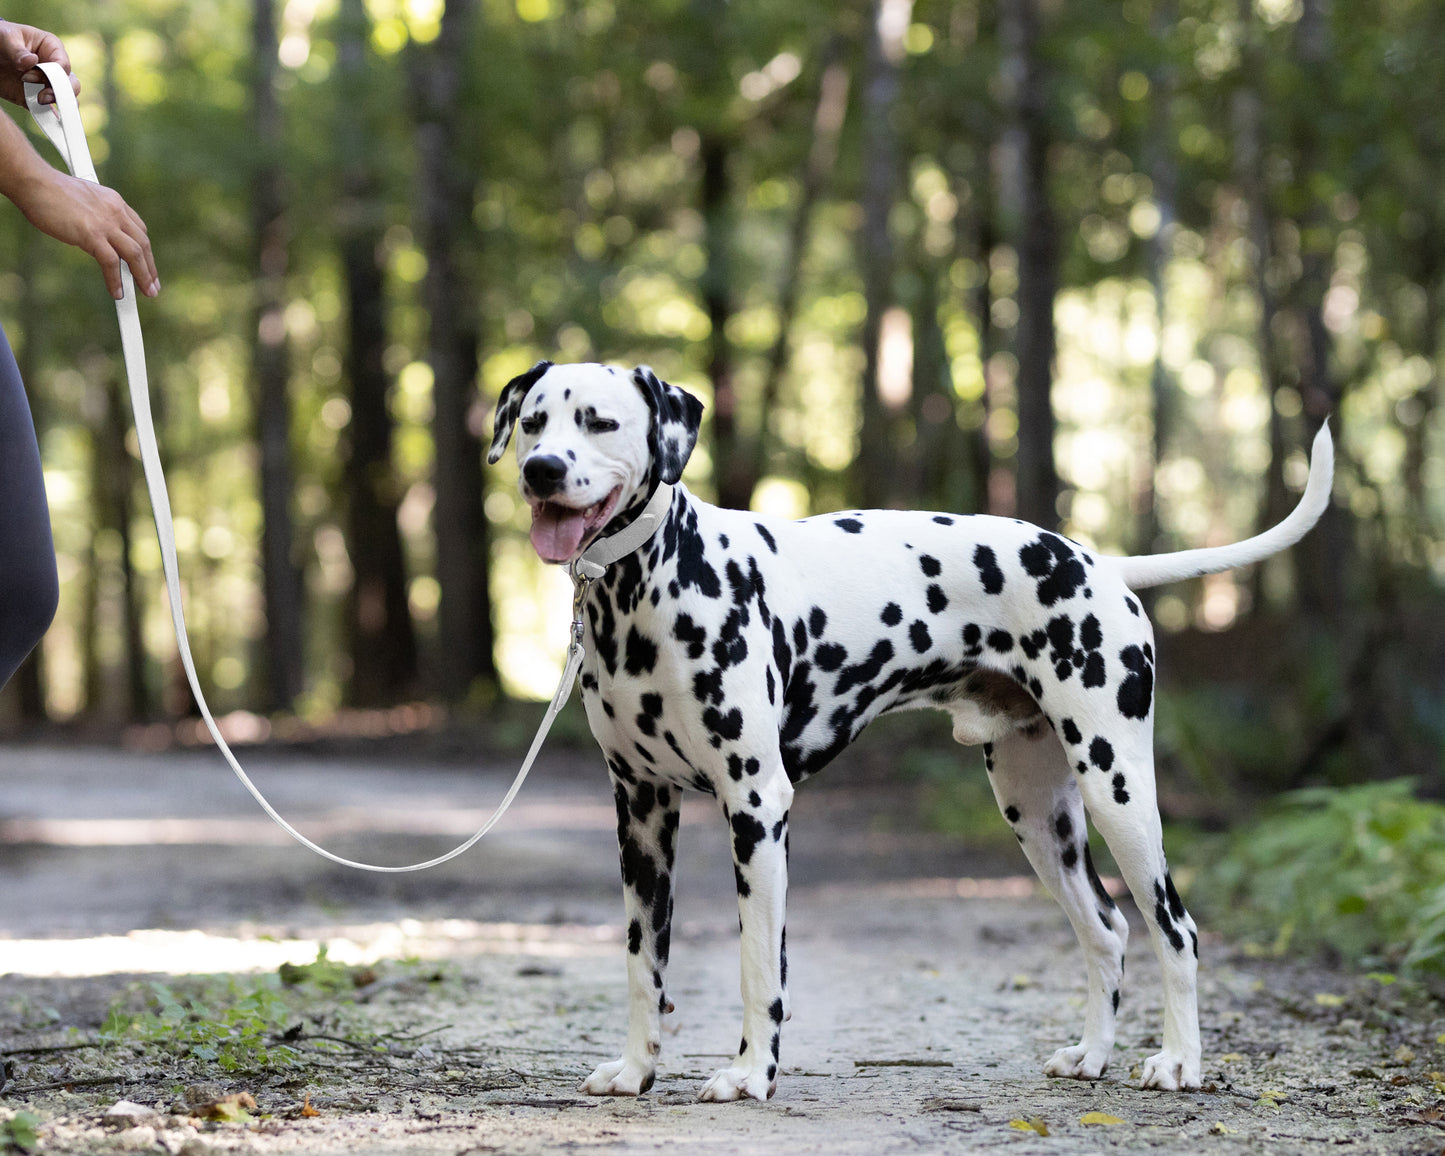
<point x="635" y="505"/>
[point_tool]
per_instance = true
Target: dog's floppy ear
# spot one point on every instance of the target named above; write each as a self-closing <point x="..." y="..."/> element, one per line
<point x="676" y="417"/>
<point x="509" y="405"/>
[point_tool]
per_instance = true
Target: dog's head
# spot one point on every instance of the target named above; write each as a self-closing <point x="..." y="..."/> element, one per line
<point x="592" y="442"/>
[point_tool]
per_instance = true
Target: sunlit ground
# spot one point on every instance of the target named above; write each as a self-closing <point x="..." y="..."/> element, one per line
<point x="200" y="953"/>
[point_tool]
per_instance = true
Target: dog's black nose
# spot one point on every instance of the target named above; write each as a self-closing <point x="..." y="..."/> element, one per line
<point x="544" y="475"/>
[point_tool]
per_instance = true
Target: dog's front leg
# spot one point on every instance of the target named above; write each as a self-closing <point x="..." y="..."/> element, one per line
<point x="757" y="811"/>
<point x="647" y="821"/>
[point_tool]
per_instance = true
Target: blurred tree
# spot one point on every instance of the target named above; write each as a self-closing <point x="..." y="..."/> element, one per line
<point x="876" y="480"/>
<point x="1028" y="85"/>
<point x="381" y="642"/>
<point x="270" y="368"/>
<point x="444" y="214"/>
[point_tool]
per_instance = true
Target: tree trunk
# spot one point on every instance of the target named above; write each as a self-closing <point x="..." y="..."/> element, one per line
<point x="877" y="455"/>
<point x="270" y="367"/>
<point x="1037" y="483"/>
<point x="444" y="205"/>
<point x="378" y="622"/>
<point x="1164" y="174"/>
<point x="139" y="704"/>
<point x="1325" y="558"/>
<point x="827" y="126"/>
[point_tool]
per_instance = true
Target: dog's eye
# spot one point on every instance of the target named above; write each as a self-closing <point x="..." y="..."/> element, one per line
<point x="533" y="423"/>
<point x="601" y="425"/>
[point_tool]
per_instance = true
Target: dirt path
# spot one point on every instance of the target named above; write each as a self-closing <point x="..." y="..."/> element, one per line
<point x="929" y="985"/>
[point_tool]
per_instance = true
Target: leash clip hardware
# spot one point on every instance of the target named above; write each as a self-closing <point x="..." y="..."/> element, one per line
<point x="580" y="584"/>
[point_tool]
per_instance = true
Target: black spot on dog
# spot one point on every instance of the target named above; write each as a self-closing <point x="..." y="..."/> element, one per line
<point x="1132" y="605"/>
<point x="766" y="536"/>
<point x="989" y="573"/>
<point x="892" y="614"/>
<point x="931" y="565"/>
<point x="1136" y="692"/>
<point x="1176" y="906"/>
<point x="849" y="525"/>
<point x="775" y="1011"/>
<point x="830" y="656"/>
<point x="1071" y="732"/>
<point x="634" y="937"/>
<point x="1098" y="885"/>
<point x="1121" y="796"/>
<point x="1116" y="1001"/>
<point x="937" y="599"/>
<point x="707" y="686"/>
<point x="686" y="631"/>
<point x="1011" y="813"/>
<point x="919" y="636"/>
<point x="1164" y="920"/>
<point x="1063" y="826"/>
<point x="817" y="622"/>
<point x="640" y="654"/>
<point x="865" y="671"/>
<point x="1051" y="560"/>
<point x="747" y="834"/>
<point x="1000" y="640"/>
<point x="1101" y="753"/>
<point x="724" y="727"/>
<point x="1070" y="857"/>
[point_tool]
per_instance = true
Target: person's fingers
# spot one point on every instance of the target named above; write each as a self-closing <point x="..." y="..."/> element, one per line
<point x="136" y="252"/>
<point x="109" y="261"/>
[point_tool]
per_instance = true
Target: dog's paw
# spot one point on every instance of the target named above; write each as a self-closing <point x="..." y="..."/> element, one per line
<point x="1080" y="1062"/>
<point x="1170" y="1073"/>
<point x="737" y="1083"/>
<point x="619" y="1078"/>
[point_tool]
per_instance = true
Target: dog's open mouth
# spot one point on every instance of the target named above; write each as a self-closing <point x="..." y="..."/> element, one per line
<point x="559" y="532"/>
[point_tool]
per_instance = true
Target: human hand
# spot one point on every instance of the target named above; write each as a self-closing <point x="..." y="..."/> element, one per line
<point x="94" y="218"/>
<point x="22" y="48"/>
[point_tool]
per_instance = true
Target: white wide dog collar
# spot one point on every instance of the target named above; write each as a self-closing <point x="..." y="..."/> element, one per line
<point x="592" y="563"/>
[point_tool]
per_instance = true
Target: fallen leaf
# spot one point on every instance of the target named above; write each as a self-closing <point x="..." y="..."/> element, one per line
<point x="1383" y="978"/>
<point x="1020" y="982"/>
<point x="1231" y="1058"/>
<point x="307" y="1109"/>
<point x="1032" y="1124"/>
<point x="1404" y="1055"/>
<point x="228" y="1109"/>
<point x="1329" y="999"/>
<point x="1221" y="1130"/>
<point x="1100" y="1118"/>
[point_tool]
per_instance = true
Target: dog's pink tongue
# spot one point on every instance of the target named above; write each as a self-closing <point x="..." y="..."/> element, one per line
<point x="556" y="532"/>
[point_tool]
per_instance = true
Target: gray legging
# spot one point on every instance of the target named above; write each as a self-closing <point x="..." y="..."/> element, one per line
<point x="29" y="586"/>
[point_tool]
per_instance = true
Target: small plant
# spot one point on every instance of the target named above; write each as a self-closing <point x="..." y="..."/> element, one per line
<point x="19" y="1133"/>
<point x="1356" y="871"/>
<point x="233" y="1026"/>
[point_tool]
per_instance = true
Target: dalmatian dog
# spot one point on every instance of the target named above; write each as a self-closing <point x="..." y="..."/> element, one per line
<point x="736" y="654"/>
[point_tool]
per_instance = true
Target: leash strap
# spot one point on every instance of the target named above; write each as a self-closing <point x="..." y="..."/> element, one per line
<point x="61" y="123"/>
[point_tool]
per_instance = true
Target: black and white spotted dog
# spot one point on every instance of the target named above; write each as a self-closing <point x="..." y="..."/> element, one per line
<point x="737" y="654"/>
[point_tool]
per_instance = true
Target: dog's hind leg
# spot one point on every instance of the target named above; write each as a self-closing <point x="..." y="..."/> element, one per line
<point x="1036" y="792"/>
<point x="756" y="807"/>
<point x="1118" y="788"/>
<point x="648" y="810"/>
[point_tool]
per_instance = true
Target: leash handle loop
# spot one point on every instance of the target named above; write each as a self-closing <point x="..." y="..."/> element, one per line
<point x="61" y="123"/>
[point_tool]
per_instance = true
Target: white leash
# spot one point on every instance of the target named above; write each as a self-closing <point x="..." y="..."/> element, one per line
<point x="61" y="123"/>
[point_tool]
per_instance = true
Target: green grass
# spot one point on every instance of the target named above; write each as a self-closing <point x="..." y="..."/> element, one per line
<point x="1356" y="873"/>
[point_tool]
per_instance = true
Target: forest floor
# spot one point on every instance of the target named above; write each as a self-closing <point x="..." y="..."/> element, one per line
<point x="930" y="982"/>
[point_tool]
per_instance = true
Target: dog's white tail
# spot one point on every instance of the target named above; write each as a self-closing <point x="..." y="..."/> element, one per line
<point x="1156" y="569"/>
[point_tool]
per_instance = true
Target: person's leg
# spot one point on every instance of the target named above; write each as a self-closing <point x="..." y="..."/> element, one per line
<point x="29" y="586"/>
